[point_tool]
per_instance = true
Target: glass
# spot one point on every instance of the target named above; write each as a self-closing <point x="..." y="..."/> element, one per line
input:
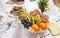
<point x="28" y="34"/>
<point x="3" y="23"/>
<point x="32" y="0"/>
<point x="3" y="28"/>
<point x="57" y="3"/>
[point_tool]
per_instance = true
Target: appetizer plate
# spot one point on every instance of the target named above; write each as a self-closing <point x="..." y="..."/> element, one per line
<point x="10" y="3"/>
<point x="4" y="19"/>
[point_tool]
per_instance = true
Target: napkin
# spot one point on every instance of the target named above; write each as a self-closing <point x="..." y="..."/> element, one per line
<point x="54" y="28"/>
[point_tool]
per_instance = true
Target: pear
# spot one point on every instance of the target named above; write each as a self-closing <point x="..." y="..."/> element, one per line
<point x="37" y="18"/>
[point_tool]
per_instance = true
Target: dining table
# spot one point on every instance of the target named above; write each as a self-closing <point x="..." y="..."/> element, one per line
<point x="9" y="29"/>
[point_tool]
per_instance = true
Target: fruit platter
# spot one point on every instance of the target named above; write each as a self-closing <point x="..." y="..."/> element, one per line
<point x="33" y="20"/>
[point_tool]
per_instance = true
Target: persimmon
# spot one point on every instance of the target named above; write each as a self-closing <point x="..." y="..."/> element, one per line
<point x="43" y="25"/>
<point x="36" y="10"/>
<point x="35" y="27"/>
<point x="44" y="20"/>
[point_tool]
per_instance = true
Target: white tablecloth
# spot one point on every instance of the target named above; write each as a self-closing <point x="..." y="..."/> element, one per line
<point x="18" y="31"/>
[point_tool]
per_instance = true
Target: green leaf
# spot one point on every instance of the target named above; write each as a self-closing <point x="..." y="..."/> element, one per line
<point x="19" y="17"/>
<point x="45" y="1"/>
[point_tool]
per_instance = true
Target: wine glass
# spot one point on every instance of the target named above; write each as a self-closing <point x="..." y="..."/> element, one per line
<point x="57" y="3"/>
<point x="29" y="34"/>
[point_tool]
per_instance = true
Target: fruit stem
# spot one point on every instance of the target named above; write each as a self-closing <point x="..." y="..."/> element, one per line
<point x="33" y="20"/>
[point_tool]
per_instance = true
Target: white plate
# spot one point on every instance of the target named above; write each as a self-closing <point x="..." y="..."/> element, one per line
<point x="4" y="20"/>
<point x="5" y="1"/>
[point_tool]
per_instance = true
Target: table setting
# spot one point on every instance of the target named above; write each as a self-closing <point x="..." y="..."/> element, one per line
<point x="25" y="20"/>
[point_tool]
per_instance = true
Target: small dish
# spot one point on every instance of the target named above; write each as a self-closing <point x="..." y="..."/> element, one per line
<point x="4" y="19"/>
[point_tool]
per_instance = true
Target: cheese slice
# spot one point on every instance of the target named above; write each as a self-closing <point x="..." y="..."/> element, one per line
<point x="54" y="28"/>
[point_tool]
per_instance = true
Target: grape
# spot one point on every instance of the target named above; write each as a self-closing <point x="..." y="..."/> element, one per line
<point x="23" y="21"/>
<point x="26" y="23"/>
<point x="25" y="26"/>
<point x="29" y="24"/>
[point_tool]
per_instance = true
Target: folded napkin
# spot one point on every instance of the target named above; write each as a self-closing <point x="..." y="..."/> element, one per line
<point x="54" y="28"/>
